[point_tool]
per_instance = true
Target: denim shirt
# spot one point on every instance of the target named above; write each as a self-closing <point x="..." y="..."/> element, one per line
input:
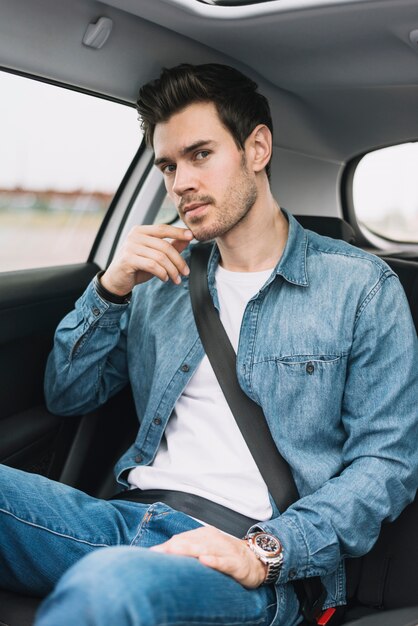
<point x="328" y="349"/>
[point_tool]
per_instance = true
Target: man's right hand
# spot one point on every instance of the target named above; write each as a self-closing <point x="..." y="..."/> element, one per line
<point x="146" y="253"/>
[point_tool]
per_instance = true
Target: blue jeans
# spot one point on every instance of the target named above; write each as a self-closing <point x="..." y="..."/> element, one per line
<point x="91" y="557"/>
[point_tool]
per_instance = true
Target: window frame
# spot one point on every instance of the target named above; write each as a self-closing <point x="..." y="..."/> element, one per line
<point x="123" y="183"/>
<point x="366" y="238"/>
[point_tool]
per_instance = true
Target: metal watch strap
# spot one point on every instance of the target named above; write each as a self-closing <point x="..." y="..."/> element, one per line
<point x="274" y="564"/>
<point x="273" y="571"/>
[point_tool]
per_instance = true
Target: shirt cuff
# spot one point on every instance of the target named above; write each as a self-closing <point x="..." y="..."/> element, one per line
<point x="95" y="309"/>
<point x="295" y="550"/>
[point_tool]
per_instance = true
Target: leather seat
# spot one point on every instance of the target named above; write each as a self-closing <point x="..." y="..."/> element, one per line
<point x="17" y="609"/>
<point x="401" y="617"/>
<point x="408" y="275"/>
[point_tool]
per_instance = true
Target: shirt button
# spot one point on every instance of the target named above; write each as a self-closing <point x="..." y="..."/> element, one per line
<point x="292" y="573"/>
<point x="310" y="367"/>
<point x="157" y="420"/>
<point x="185" y="367"/>
<point x="95" y="311"/>
<point x="138" y="458"/>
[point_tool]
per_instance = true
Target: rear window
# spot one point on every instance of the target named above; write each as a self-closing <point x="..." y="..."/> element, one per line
<point x="63" y="155"/>
<point x="385" y="192"/>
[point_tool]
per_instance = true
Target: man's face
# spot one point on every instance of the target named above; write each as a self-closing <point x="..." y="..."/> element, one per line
<point x="204" y="171"/>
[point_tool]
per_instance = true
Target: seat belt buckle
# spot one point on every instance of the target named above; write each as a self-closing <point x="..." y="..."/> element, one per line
<point x="325" y="617"/>
<point x="312" y="609"/>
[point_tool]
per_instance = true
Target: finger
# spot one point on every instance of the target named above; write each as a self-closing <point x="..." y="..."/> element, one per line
<point x="203" y="540"/>
<point x="180" y="548"/>
<point x="179" y="245"/>
<point x="150" y="268"/>
<point x="166" y="231"/>
<point x="162" y="263"/>
<point x="226" y="565"/>
<point x="166" y="248"/>
<point x="230" y="566"/>
<point x="220" y="563"/>
<point x="190" y="543"/>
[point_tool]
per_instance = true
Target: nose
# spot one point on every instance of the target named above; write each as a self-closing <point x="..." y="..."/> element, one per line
<point x="185" y="180"/>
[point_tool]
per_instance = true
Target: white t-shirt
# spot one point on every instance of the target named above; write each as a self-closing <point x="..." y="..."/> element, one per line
<point x="202" y="450"/>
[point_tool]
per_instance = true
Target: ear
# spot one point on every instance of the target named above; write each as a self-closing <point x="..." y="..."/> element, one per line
<point x="258" y="148"/>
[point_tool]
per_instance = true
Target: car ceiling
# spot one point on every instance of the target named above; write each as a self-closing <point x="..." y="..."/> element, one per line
<point x="342" y="76"/>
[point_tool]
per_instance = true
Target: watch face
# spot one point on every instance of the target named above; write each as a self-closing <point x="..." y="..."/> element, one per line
<point x="268" y="544"/>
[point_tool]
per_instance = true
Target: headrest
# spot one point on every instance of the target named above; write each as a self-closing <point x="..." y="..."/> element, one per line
<point x="328" y="226"/>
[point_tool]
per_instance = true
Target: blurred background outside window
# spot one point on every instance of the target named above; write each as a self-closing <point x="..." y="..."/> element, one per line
<point x="385" y="192"/>
<point x="63" y="155"/>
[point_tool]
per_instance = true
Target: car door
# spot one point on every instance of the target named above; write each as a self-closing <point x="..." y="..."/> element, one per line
<point x="63" y="197"/>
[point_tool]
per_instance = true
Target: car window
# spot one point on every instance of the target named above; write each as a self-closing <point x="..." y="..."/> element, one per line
<point x="167" y="213"/>
<point x="385" y="192"/>
<point x="63" y="155"/>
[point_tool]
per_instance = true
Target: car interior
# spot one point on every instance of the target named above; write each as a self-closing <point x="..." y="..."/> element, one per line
<point x="342" y="80"/>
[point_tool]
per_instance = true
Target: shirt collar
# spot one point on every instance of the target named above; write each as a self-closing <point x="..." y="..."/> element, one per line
<point x="292" y="264"/>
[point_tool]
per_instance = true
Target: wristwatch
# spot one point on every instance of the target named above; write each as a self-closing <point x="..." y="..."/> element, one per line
<point x="268" y="550"/>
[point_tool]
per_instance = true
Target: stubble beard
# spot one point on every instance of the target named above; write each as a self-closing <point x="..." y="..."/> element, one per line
<point x="234" y="208"/>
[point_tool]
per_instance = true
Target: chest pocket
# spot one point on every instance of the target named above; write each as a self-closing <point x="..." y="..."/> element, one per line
<point x="311" y="376"/>
<point x="302" y="394"/>
<point x="309" y="389"/>
<point x="300" y="365"/>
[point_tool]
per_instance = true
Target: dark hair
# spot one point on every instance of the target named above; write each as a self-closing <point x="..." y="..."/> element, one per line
<point x="240" y="106"/>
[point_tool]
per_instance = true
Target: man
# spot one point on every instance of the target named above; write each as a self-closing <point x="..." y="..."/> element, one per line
<point x="325" y="343"/>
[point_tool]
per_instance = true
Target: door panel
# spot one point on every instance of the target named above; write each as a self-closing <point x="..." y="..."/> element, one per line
<point x="32" y="303"/>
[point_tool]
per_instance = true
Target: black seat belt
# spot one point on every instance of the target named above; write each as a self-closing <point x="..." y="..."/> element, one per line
<point x="248" y="415"/>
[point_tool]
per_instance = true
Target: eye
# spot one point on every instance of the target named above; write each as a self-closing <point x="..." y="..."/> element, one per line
<point x="202" y="154"/>
<point x="168" y="169"/>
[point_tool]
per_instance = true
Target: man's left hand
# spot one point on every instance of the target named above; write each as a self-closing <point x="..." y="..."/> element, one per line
<point x="220" y="551"/>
